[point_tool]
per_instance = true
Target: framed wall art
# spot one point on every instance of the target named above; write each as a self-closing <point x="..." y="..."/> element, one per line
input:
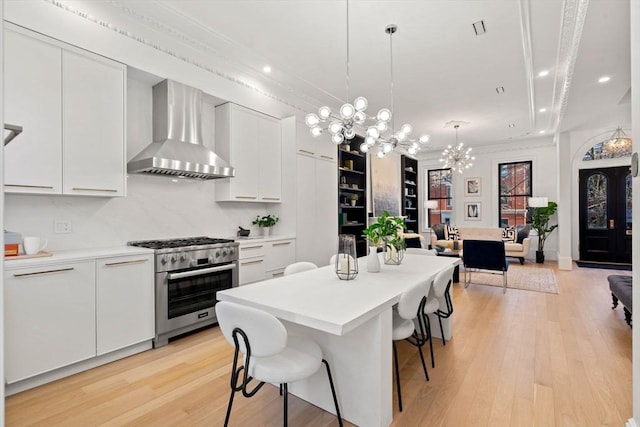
<point x="472" y="186"/>
<point x="472" y="211"/>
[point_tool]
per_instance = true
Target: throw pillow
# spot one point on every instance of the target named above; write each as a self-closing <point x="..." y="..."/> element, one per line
<point x="438" y="230"/>
<point x="451" y="232"/>
<point x="508" y="234"/>
<point x="523" y="233"/>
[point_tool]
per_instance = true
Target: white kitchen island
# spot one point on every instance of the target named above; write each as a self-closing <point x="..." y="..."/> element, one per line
<point x="351" y="321"/>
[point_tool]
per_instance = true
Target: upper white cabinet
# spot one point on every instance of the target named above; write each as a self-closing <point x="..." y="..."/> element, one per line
<point x="252" y="143"/>
<point x="70" y="104"/>
<point x="93" y="125"/>
<point x="32" y="99"/>
<point x="319" y="147"/>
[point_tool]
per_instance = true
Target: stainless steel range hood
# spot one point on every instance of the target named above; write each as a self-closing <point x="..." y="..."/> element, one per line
<point x="177" y="148"/>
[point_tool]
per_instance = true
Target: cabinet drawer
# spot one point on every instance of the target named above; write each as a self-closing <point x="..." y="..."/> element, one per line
<point x="251" y="250"/>
<point x="280" y="253"/>
<point x="251" y="270"/>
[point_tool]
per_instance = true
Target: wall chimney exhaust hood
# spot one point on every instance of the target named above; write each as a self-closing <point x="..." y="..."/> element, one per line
<point x="177" y="148"/>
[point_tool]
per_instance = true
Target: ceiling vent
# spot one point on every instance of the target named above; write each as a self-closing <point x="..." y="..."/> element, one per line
<point x="479" y="28"/>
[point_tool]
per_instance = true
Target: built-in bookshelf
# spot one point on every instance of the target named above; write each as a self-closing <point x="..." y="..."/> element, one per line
<point x="352" y="192"/>
<point x="410" y="208"/>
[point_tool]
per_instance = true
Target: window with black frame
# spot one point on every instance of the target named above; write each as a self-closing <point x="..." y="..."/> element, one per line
<point x="440" y="194"/>
<point x="514" y="191"/>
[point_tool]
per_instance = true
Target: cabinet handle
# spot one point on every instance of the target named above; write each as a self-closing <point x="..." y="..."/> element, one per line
<point x="135" y="261"/>
<point x="251" y="247"/>
<point x="246" y="197"/>
<point x="43" y="272"/>
<point x="278" y="274"/>
<point x="29" y="186"/>
<point x="271" y="198"/>
<point x="107" y="190"/>
<point x="281" y="243"/>
<point x="252" y="262"/>
<point x="307" y="152"/>
<point x="327" y="157"/>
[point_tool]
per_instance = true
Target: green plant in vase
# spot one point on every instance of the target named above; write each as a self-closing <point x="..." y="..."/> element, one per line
<point x="540" y="222"/>
<point x="265" y="222"/>
<point x="386" y="233"/>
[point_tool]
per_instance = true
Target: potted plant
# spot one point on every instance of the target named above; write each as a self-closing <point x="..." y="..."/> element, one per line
<point x="354" y="199"/>
<point x="540" y="222"/>
<point x="385" y="232"/>
<point x="266" y="222"/>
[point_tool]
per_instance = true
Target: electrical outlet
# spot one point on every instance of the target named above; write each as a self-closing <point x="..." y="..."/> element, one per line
<point x="61" y="226"/>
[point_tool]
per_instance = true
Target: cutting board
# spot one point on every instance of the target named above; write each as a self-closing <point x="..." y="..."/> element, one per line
<point x="38" y="255"/>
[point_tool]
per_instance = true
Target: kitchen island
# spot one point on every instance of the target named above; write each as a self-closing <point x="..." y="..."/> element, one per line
<point x="351" y="321"/>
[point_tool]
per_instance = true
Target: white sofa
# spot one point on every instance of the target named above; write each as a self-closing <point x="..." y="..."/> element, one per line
<point x="511" y="247"/>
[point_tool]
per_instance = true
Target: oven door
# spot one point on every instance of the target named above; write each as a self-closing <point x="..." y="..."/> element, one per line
<point x="187" y="297"/>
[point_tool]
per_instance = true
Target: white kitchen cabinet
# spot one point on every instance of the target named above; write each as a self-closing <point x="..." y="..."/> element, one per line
<point x="279" y="254"/>
<point x="319" y="147"/>
<point x="93" y="122"/>
<point x="251" y="262"/>
<point x="252" y="143"/>
<point x="32" y="99"/>
<point x="125" y="301"/>
<point x="70" y="104"/>
<point x="49" y="318"/>
<point x="317" y="210"/>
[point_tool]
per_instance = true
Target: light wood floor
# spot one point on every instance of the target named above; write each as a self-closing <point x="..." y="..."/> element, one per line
<point x="516" y="359"/>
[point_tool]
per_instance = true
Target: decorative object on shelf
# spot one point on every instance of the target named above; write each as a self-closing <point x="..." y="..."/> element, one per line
<point x="243" y="232"/>
<point x="353" y="198"/>
<point x="457" y="158"/>
<point x="541" y="211"/>
<point x="472" y="211"/>
<point x="346" y="265"/>
<point x="385" y="232"/>
<point x="472" y="186"/>
<point x="352" y="116"/>
<point x="387" y="137"/>
<point x="266" y="222"/>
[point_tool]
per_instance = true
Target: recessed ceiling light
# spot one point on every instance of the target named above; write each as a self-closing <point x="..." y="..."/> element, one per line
<point x="543" y="73"/>
<point x="511" y="125"/>
<point x="604" y="79"/>
<point x="266" y="69"/>
<point x="541" y="131"/>
<point x="500" y="89"/>
<point x="542" y="110"/>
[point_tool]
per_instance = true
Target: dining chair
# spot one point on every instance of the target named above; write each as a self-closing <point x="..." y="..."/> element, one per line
<point x="269" y="354"/>
<point x="298" y="267"/>
<point x="438" y="303"/>
<point x="405" y="312"/>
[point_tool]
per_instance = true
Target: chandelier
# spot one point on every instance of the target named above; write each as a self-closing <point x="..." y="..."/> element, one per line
<point x="619" y="143"/>
<point x="342" y="126"/>
<point x="457" y="158"/>
<point x="385" y="136"/>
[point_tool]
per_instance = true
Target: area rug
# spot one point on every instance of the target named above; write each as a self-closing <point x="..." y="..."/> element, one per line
<point x="605" y="265"/>
<point x="519" y="277"/>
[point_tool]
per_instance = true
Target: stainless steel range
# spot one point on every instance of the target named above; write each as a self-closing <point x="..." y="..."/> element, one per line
<point x="189" y="272"/>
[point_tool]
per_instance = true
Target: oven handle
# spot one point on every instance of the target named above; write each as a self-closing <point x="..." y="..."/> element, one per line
<point x="185" y="274"/>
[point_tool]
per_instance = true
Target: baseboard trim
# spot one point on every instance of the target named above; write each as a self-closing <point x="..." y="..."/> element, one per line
<point x="565" y="263"/>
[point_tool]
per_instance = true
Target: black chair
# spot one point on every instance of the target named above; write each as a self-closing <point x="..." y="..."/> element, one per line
<point x="485" y="255"/>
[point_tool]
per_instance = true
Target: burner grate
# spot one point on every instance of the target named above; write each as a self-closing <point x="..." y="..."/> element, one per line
<point x="179" y="243"/>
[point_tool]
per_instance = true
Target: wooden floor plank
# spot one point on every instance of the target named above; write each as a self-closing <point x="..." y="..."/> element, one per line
<point x="517" y="359"/>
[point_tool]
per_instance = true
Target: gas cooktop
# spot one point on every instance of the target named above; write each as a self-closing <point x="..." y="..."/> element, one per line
<point x="179" y="243"/>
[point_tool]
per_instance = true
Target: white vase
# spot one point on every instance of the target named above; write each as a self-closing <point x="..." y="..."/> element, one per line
<point x="373" y="262"/>
<point x="266" y="231"/>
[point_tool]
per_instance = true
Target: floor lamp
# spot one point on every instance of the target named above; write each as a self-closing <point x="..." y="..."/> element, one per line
<point x="430" y="204"/>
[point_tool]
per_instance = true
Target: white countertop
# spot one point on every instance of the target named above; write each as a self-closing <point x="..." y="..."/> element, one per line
<point x="75" y="255"/>
<point x="319" y="299"/>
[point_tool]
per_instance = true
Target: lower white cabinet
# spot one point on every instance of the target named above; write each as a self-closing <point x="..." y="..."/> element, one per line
<point x="49" y="318"/>
<point x="124" y="301"/>
<point x="265" y="259"/>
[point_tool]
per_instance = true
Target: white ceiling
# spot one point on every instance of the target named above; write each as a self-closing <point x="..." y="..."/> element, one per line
<point x="442" y="71"/>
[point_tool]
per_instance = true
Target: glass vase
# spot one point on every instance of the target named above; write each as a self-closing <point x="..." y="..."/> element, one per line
<point x="346" y="265"/>
<point x="393" y="255"/>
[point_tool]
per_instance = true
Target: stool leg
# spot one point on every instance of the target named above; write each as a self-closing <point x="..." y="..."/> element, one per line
<point x="285" y="418"/>
<point x="395" y="358"/>
<point x="333" y="392"/>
